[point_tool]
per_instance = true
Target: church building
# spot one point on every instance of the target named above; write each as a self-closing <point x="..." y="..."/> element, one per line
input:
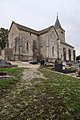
<point x="26" y="44"/>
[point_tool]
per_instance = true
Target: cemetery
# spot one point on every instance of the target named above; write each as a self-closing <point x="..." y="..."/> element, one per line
<point x="5" y="64"/>
<point x="39" y="93"/>
<point x="62" y="67"/>
<point x="39" y="60"/>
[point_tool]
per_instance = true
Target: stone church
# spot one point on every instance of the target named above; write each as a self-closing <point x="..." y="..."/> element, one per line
<point x="26" y="44"/>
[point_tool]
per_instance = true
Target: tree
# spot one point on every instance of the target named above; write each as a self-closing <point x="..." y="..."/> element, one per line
<point x="78" y="57"/>
<point x="3" y="38"/>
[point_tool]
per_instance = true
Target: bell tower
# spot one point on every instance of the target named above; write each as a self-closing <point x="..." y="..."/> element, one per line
<point x="60" y="30"/>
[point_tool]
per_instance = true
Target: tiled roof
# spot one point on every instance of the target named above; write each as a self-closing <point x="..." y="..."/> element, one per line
<point x="23" y="28"/>
<point x="27" y="29"/>
<point x="64" y="43"/>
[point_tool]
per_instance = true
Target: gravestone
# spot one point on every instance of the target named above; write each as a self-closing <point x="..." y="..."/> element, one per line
<point x="4" y="63"/>
<point x="42" y="62"/>
<point x="64" y="64"/>
<point x="58" y="65"/>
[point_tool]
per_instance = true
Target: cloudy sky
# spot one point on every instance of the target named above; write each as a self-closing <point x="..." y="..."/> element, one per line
<point x="39" y="14"/>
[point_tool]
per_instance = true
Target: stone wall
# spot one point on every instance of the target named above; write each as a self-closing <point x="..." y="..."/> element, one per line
<point x="61" y="34"/>
<point x="22" y="44"/>
<point x="48" y="45"/>
<point x="27" y="41"/>
<point x="67" y="48"/>
<point x="2" y="55"/>
<point x="13" y="33"/>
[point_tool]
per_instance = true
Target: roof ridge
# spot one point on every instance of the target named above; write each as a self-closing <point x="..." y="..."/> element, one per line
<point x="22" y="27"/>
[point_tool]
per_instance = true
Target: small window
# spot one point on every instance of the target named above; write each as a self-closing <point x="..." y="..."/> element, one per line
<point x="27" y="46"/>
<point x="0" y="52"/>
<point x="64" y="53"/>
<point x="53" y="50"/>
<point x="61" y="31"/>
<point x="30" y="33"/>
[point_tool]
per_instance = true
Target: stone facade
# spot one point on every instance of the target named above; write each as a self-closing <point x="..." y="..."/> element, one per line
<point x="27" y="44"/>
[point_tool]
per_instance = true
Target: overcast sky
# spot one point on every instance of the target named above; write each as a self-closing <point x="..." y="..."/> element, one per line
<point x="39" y="14"/>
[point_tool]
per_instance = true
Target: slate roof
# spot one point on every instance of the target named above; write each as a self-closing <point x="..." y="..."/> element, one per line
<point x="23" y="28"/>
<point x="64" y="43"/>
<point x="27" y="29"/>
<point x="57" y="23"/>
<point x="46" y="30"/>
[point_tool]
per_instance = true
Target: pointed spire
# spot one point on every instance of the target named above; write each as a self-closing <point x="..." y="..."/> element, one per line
<point x="57" y="15"/>
<point x="57" y="23"/>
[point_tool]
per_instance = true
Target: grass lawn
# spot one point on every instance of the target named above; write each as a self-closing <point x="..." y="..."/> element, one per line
<point x="7" y="82"/>
<point x="54" y="98"/>
<point x="62" y="96"/>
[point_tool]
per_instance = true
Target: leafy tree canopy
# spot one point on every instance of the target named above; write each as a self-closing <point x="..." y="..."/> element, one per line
<point x="78" y="57"/>
<point x="3" y="37"/>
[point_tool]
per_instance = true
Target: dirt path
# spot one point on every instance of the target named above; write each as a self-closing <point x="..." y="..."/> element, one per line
<point x="14" y="100"/>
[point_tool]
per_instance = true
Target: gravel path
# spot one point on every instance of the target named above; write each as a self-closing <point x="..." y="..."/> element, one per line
<point x="24" y="64"/>
<point x="9" y="102"/>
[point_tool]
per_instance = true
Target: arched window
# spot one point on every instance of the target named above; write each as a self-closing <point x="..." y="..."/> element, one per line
<point x="17" y="43"/>
<point x="69" y="53"/>
<point x="53" y="50"/>
<point x="27" y="46"/>
<point x="0" y="52"/>
<point x="74" y="55"/>
<point x="64" y="54"/>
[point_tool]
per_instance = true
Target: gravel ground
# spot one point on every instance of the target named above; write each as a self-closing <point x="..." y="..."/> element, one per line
<point x="24" y="64"/>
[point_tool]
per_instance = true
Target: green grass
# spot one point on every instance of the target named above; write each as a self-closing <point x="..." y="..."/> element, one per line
<point x="71" y="68"/>
<point x="54" y="98"/>
<point x="64" y="94"/>
<point x="7" y="82"/>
